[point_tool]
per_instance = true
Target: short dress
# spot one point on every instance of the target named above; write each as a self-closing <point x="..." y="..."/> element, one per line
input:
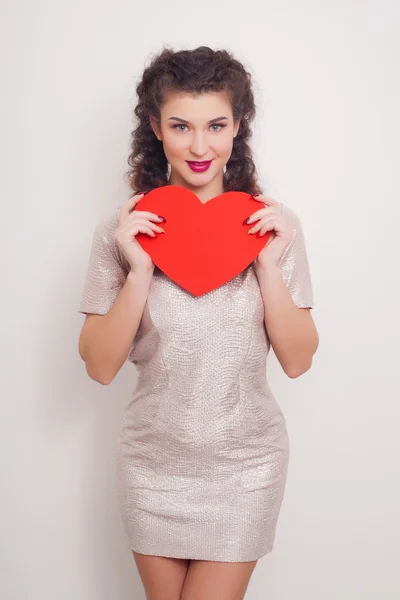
<point x="202" y="453"/>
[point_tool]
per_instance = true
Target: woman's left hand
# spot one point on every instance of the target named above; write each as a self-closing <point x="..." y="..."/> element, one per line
<point x="271" y="219"/>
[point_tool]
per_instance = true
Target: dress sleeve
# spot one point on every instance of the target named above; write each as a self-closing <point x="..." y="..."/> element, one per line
<point x="107" y="270"/>
<point x="294" y="264"/>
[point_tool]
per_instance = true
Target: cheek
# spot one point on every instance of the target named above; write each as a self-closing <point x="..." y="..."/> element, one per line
<point x="174" y="145"/>
<point x="223" y="145"/>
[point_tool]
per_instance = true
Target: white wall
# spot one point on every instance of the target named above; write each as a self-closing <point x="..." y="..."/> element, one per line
<point x="327" y="144"/>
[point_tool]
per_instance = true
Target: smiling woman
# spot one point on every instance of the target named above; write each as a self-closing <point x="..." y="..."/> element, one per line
<point x="200" y="144"/>
<point x="200" y="114"/>
<point x="203" y="448"/>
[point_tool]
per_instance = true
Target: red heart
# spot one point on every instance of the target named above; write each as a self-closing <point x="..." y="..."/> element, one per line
<point x="205" y="244"/>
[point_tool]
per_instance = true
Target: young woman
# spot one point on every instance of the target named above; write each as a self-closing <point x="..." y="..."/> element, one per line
<point x="203" y="448"/>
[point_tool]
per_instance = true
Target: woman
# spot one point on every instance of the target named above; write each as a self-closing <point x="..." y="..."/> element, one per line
<point x="203" y="448"/>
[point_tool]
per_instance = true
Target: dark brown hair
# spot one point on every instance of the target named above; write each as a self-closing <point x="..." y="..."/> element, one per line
<point x="195" y="72"/>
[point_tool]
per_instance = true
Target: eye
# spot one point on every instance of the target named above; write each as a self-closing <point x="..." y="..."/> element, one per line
<point x="179" y="125"/>
<point x="221" y="125"/>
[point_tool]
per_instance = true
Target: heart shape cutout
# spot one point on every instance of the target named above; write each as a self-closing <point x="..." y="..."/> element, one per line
<point x="205" y="244"/>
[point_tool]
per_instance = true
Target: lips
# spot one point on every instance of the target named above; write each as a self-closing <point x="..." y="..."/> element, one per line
<point x="199" y="166"/>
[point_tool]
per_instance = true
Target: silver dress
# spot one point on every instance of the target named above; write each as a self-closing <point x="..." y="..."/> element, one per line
<point x="203" y="449"/>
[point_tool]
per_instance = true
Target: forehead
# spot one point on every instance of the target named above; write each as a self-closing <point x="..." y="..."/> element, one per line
<point x="205" y="106"/>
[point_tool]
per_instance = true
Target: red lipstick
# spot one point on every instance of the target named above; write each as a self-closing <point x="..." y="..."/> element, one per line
<point x="199" y="166"/>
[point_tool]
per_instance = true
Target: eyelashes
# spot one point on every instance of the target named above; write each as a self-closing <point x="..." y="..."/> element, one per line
<point x="220" y="125"/>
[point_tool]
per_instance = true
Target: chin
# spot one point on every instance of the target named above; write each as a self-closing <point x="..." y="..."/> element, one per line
<point x="200" y="183"/>
<point x="196" y="179"/>
<point x="193" y="179"/>
<point x="202" y="178"/>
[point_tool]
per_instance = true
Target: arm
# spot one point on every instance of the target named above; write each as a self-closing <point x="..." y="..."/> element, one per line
<point x="105" y="340"/>
<point x="113" y="300"/>
<point x="285" y="281"/>
<point x="291" y="329"/>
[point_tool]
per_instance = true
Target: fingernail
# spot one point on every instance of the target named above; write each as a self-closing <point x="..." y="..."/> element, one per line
<point x="255" y="195"/>
<point x="141" y="193"/>
<point x="246" y="221"/>
<point x="162" y="230"/>
<point x="162" y="218"/>
<point x="250" y="230"/>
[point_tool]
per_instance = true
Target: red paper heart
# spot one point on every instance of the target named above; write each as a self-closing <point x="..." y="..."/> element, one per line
<point x="205" y="244"/>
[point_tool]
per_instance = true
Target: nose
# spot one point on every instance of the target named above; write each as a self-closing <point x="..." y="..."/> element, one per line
<point x="199" y="144"/>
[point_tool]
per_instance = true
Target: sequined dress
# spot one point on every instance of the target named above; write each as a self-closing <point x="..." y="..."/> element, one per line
<point x="203" y="450"/>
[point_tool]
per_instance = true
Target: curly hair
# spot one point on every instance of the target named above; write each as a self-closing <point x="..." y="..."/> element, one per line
<point x="193" y="71"/>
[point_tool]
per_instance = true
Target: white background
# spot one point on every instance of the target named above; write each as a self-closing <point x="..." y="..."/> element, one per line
<point x="326" y="142"/>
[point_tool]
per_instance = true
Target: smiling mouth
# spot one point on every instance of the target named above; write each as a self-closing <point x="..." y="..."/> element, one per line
<point x="197" y="165"/>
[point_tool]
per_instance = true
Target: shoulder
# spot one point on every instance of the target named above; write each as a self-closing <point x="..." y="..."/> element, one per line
<point x="290" y="215"/>
<point x="105" y="228"/>
<point x="108" y="222"/>
<point x="295" y="221"/>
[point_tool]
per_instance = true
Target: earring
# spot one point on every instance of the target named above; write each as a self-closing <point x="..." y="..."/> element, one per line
<point x="169" y="170"/>
<point x="224" y="169"/>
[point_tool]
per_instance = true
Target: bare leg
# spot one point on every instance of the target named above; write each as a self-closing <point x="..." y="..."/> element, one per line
<point x="162" y="577"/>
<point x="212" y="580"/>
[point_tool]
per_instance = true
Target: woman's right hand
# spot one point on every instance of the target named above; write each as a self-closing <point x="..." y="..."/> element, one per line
<point x="131" y="222"/>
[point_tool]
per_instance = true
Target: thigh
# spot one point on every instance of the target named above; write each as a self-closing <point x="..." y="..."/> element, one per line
<point x="212" y="580"/>
<point x="162" y="577"/>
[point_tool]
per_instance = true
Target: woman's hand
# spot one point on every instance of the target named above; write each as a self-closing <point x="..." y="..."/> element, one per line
<point x="131" y="222"/>
<point x="271" y="219"/>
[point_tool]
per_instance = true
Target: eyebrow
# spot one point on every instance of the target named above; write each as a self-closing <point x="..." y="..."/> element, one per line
<point x="187" y="122"/>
